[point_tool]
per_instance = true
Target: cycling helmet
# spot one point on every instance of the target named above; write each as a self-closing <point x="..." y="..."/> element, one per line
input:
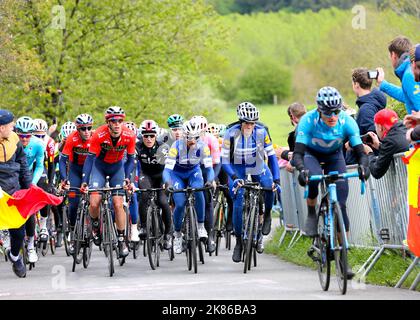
<point x="329" y="100"/>
<point x="114" y="112"/>
<point x="246" y="111"/>
<point x="83" y="119"/>
<point x="192" y="129"/>
<point x="149" y="126"/>
<point x="213" y="129"/>
<point x="66" y="129"/>
<point x="132" y="126"/>
<point x="40" y="125"/>
<point x="24" y="125"/>
<point x="201" y="121"/>
<point x="175" y="121"/>
<point x="222" y="130"/>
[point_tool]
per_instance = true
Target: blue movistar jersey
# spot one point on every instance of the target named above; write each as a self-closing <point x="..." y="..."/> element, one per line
<point x="250" y="152"/>
<point x="35" y="151"/>
<point x="317" y="136"/>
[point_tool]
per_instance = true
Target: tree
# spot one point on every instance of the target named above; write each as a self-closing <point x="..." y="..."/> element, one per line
<point x="142" y="55"/>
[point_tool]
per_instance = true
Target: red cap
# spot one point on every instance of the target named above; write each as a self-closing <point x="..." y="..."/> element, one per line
<point x="386" y="118"/>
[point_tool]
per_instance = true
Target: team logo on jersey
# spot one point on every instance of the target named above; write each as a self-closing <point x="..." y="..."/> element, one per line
<point x="417" y="87"/>
<point x="206" y="151"/>
<point x="267" y="139"/>
<point x="325" y="144"/>
<point x="226" y="143"/>
<point x="173" y="152"/>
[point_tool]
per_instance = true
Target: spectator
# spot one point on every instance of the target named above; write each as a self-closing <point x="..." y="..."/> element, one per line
<point x="295" y="111"/>
<point x="14" y="174"/>
<point x="409" y="93"/>
<point x="390" y="139"/>
<point x="415" y="62"/>
<point x="369" y="102"/>
<point x="412" y="122"/>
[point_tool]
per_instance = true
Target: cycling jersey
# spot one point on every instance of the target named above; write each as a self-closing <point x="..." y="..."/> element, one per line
<point x="76" y="148"/>
<point x="35" y="154"/>
<point x="102" y="145"/>
<point x="213" y="144"/>
<point x="151" y="161"/>
<point x="248" y="151"/>
<point x="180" y="158"/>
<point x="319" y="137"/>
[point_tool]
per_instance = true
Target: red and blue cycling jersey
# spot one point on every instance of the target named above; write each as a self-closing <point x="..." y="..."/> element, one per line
<point x="105" y="149"/>
<point x="76" y="148"/>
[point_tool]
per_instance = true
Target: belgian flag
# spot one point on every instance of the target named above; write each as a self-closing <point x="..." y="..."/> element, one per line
<point x="16" y="209"/>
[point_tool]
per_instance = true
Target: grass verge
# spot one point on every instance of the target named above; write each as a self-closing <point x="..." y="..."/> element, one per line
<point x="386" y="272"/>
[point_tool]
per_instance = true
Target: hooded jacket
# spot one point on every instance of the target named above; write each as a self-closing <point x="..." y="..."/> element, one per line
<point x="409" y="93"/>
<point x="14" y="171"/>
<point x="369" y="105"/>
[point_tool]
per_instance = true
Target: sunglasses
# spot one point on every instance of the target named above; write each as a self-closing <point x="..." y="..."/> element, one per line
<point x="24" y="136"/>
<point x="116" y="120"/>
<point x="85" y="128"/>
<point x="329" y="114"/>
<point x="40" y="136"/>
<point x="149" y="136"/>
<point x="193" y="138"/>
<point x="251" y="123"/>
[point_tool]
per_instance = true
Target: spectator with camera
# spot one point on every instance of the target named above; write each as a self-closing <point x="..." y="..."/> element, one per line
<point x="369" y="102"/>
<point x="409" y="92"/>
<point x="389" y="140"/>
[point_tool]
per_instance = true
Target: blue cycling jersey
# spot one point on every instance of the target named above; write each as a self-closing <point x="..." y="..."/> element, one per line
<point x="35" y="152"/>
<point x="182" y="159"/>
<point x="317" y="136"/>
<point x="249" y="152"/>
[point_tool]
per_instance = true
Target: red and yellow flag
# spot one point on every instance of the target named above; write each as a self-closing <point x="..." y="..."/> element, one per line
<point x="413" y="170"/>
<point x="16" y="209"/>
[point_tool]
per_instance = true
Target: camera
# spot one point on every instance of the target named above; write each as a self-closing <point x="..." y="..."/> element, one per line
<point x="366" y="138"/>
<point x="373" y="74"/>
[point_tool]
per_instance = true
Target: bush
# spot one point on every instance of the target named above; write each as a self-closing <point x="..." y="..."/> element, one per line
<point x="262" y="80"/>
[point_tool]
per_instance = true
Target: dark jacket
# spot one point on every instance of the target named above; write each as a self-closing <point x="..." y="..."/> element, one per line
<point x="14" y="171"/>
<point x="393" y="143"/>
<point x="369" y="105"/>
<point x="291" y="140"/>
<point x="415" y="134"/>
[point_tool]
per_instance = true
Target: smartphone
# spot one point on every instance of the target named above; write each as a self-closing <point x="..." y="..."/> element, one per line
<point x="373" y="74"/>
<point x="366" y="138"/>
<point x="54" y="120"/>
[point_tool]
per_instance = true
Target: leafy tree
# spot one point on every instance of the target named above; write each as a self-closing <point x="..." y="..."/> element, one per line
<point x="146" y="56"/>
<point x="263" y="80"/>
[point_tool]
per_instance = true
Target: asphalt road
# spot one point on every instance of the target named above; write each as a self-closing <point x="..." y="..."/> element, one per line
<point x="219" y="278"/>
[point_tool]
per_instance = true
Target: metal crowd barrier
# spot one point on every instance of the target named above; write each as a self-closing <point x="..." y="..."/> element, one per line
<point x="378" y="219"/>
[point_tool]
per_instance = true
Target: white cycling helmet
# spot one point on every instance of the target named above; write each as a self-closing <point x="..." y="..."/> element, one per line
<point x="246" y="111"/>
<point x="192" y="129"/>
<point x="213" y="129"/>
<point x="114" y="112"/>
<point x="40" y="125"/>
<point x="67" y="128"/>
<point x="201" y="121"/>
<point x="132" y="126"/>
<point x="24" y="125"/>
<point x="83" y="119"/>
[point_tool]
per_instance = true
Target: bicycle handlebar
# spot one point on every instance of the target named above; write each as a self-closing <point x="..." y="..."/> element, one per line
<point x="148" y="190"/>
<point x="189" y="189"/>
<point x="105" y="189"/>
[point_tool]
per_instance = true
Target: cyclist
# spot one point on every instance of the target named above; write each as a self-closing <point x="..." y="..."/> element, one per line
<point x="213" y="145"/>
<point x="174" y="122"/>
<point x="72" y="159"/>
<point x="108" y="145"/>
<point x="134" y="205"/>
<point x="34" y="150"/>
<point x="151" y="162"/>
<point x="182" y="168"/>
<point x="319" y="139"/>
<point x="47" y="178"/>
<point x="66" y="129"/>
<point x="245" y="147"/>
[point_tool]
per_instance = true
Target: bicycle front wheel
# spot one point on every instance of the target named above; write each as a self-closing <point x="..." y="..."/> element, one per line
<point x="340" y="250"/>
<point x="151" y="241"/>
<point x="193" y="237"/>
<point x="248" y="239"/>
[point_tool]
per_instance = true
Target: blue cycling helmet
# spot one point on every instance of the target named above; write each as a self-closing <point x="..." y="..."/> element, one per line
<point x="25" y="125"/>
<point x="329" y="100"/>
